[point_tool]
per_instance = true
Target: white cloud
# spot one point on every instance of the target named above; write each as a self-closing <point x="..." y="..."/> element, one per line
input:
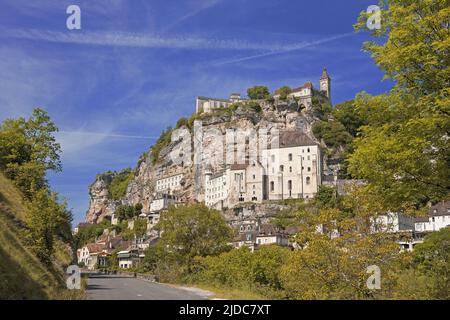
<point x="122" y="39"/>
<point x="288" y="48"/>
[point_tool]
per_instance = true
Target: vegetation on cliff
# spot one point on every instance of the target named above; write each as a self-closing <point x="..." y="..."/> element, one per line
<point x="119" y="183"/>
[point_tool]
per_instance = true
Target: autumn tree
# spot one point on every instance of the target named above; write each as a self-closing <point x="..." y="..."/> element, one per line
<point x="403" y="151"/>
<point x="335" y="249"/>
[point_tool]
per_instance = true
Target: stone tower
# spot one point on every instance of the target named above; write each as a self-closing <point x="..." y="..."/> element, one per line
<point x="325" y="84"/>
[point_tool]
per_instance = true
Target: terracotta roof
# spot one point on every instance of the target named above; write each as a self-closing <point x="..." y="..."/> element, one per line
<point x="307" y="85"/>
<point x="95" y="247"/>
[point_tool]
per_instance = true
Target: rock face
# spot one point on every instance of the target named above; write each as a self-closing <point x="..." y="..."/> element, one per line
<point x="100" y="204"/>
<point x="281" y="116"/>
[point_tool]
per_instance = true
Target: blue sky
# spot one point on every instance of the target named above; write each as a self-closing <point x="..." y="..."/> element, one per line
<point x="136" y="66"/>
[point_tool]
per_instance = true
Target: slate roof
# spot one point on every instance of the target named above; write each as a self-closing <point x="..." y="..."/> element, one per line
<point x="289" y="139"/>
<point x="440" y="209"/>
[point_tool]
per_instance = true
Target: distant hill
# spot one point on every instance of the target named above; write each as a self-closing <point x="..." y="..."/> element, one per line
<point x="22" y="275"/>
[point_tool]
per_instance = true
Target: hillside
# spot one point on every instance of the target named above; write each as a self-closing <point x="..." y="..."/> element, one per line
<point x="22" y="275"/>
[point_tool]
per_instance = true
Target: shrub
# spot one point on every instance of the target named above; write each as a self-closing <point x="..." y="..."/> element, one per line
<point x="119" y="183"/>
<point x="258" y="92"/>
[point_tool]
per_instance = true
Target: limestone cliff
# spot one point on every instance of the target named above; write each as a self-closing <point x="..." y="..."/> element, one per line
<point x="141" y="189"/>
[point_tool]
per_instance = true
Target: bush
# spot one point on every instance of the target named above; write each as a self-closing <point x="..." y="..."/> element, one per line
<point x="258" y="92"/>
<point x="284" y="91"/>
<point x="162" y="142"/>
<point x="333" y="133"/>
<point x="119" y="184"/>
<point x="243" y="269"/>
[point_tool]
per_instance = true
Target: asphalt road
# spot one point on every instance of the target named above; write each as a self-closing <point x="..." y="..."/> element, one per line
<point x="114" y="287"/>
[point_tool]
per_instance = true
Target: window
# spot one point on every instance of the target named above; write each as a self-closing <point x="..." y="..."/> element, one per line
<point x="272" y="186"/>
<point x="273" y="158"/>
<point x="281" y="168"/>
<point x="309" y="158"/>
<point x="309" y="169"/>
<point x="254" y="177"/>
<point x="289" y="184"/>
<point x="307" y="150"/>
<point x="290" y="156"/>
<point x="290" y="169"/>
<point x="308" y="180"/>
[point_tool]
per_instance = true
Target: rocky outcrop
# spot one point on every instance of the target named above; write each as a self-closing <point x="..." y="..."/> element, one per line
<point x="282" y="116"/>
<point x="100" y="205"/>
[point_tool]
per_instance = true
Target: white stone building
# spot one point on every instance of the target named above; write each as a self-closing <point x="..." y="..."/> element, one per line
<point x="162" y="201"/>
<point x="293" y="169"/>
<point x="438" y="218"/>
<point x="304" y="94"/>
<point x="89" y="254"/>
<point x="207" y="105"/>
<point x="393" y="222"/>
<point x="170" y="183"/>
<point x="270" y="235"/>
<point x="238" y="183"/>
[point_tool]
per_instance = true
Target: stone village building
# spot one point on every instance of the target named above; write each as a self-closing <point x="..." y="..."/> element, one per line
<point x="290" y="171"/>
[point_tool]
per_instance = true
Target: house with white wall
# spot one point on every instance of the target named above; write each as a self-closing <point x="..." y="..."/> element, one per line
<point x="169" y="183"/>
<point x="207" y="105"/>
<point x="438" y="217"/>
<point x="293" y="169"/>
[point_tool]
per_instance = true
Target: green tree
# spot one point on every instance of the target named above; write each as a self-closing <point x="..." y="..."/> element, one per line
<point x="46" y="218"/>
<point x="125" y="212"/>
<point x="28" y="149"/>
<point x="332" y="132"/>
<point x="258" y="92"/>
<point x="326" y="197"/>
<point x="403" y="151"/>
<point x="119" y="183"/>
<point x="190" y="231"/>
<point x="432" y="259"/>
<point x="284" y="91"/>
<point x="350" y="117"/>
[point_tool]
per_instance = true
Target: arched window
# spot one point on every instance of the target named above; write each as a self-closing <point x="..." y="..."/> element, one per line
<point x="272" y="186"/>
<point x="308" y="180"/>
